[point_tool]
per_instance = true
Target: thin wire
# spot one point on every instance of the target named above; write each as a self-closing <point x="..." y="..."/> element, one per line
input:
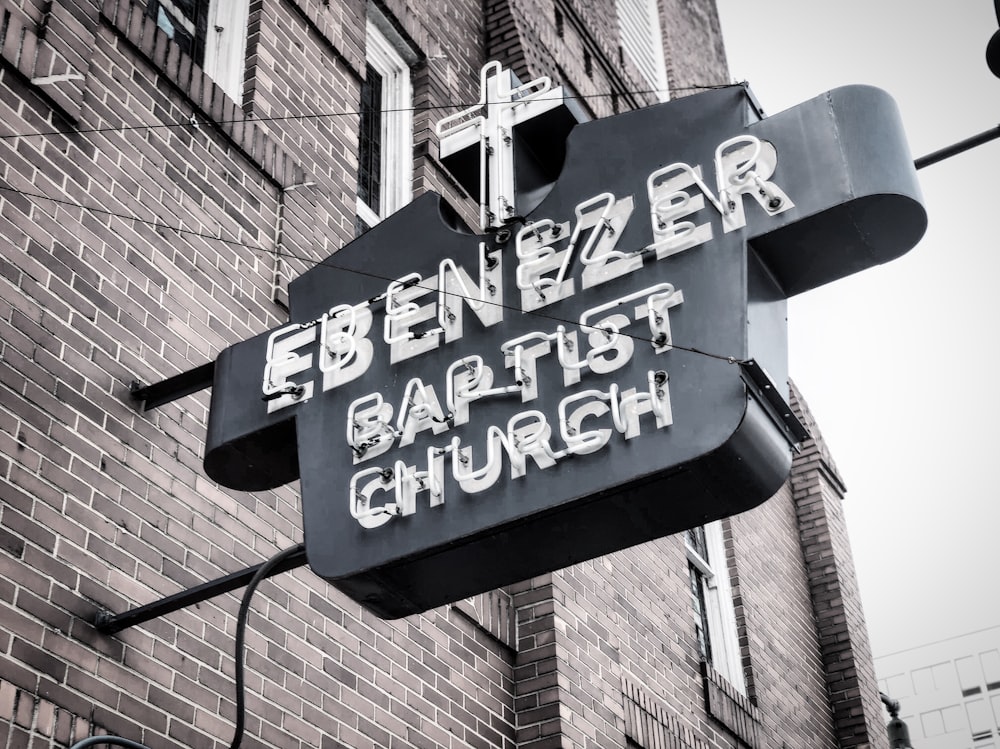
<point x="241" y="625"/>
<point x="536" y="313"/>
<point x="124" y="217"/>
<point x="329" y="262"/>
<point x="347" y="113"/>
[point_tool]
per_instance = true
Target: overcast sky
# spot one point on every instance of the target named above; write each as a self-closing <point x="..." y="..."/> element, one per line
<point x="899" y="364"/>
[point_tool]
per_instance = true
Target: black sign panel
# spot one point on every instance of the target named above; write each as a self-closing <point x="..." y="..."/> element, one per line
<point x="467" y="411"/>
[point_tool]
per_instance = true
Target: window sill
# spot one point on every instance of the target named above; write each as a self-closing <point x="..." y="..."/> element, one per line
<point x="733" y="710"/>
<point x="209" y="100"/>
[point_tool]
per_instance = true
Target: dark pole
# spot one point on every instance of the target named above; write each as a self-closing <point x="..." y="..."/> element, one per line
<point x="993" y="63"/>
<point x="956" y="148"/>
<point x="108" y="623"/>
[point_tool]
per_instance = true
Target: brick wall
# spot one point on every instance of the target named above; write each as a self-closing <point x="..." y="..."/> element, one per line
<point x="626" y="616"/>
<point x="144" y="216"/>
<point x="844" y="646"/>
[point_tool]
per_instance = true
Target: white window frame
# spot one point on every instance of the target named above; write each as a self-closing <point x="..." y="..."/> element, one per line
<point x="720" y="612"/>
<point x="387" y="54"/>
<point x="226" y="53"/>
<point x="225" y="42"/>
<point x="642" y="40"/>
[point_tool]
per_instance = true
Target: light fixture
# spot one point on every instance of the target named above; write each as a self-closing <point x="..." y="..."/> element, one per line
<point x="899" y="733"/>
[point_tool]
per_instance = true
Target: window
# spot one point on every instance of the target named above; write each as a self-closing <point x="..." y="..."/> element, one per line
<point x="642" y="41"/>
<point x="980" y="720"/>
<point x="712" y="602"/>
<point x="385" y="147"/>
<point x="970" y="676"/>
<point x="698" y="581"/>
<point x="213" y="32"/>
<point x="990" y="661"/>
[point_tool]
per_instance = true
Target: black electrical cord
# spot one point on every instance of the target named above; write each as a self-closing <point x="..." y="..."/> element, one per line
<point x="264" y="571"/>
<point x="241" y="626"/>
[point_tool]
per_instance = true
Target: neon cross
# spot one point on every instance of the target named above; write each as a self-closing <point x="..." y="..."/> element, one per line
<point x="490" y="126"/>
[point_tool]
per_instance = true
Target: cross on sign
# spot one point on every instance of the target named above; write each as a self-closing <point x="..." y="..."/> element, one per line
<point x="488" y="130"/>
<point x="468" y="411"/>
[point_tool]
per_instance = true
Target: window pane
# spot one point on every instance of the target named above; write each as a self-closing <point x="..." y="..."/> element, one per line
<point x="695" y="538"/>
<point x="990" y="661"/>
<point x="980" y="720"/>
<point x="700" y="613"/>
<point x="954" y="719"/>
<point x="183" y="21"/>
<point x="923" y="680"/>
<point x="970" y="676"/>
<point x="898" y="686"/>
<point x="945" y="678"/>
<point x="932" y="723"/>
<point x="370" y="141"/>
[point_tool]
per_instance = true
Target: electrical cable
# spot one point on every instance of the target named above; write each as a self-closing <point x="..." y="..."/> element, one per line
<point x="241" y="626"/>
<point x="157" y="224"/>
<point x="330" y="263"/>
<point x="264" y="571"/>
<point x="347" y="113"/>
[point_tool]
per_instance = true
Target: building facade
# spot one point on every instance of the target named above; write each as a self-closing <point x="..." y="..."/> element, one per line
<point x="165" y="168"/>
<point x="948" y="691"/>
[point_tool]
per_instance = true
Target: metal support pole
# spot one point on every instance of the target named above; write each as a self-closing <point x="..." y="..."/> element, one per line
<point x="172" y="388"/>
<point x="108" y="623"/>
<point x="956" y="148"/>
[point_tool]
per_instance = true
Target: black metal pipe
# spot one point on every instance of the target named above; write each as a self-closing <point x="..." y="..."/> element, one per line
<point x="108" y="623"/>
<point x="172" y="388"/>
<point x="956" y="148"/>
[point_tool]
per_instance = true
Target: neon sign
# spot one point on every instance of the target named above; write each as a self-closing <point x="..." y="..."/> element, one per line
<point x="467" y="410"/>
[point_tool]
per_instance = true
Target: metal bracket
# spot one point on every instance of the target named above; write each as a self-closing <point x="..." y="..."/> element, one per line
<point x="767" y="393"/>
<point x="108" y="623"/>
<point x="172" y="388"/>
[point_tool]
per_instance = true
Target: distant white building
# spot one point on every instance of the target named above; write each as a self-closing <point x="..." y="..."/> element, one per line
<point x="949" y="691"/>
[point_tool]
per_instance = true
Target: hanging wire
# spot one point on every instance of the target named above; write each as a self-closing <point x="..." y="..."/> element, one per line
<point x="186" y="122"/>
<point x="330" y="262"/>
<point x="263" y="572"/>
<point x="160" y="225"/>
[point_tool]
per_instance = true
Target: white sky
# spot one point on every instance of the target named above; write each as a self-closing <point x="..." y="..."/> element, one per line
<point x="899" y="364"/>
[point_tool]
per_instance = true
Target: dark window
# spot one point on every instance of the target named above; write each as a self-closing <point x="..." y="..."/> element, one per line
<point x="370" y="141"/>
<point x="183" y="21"/>
<point x="697" y="581"/>
<point x="697" y="542"/>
